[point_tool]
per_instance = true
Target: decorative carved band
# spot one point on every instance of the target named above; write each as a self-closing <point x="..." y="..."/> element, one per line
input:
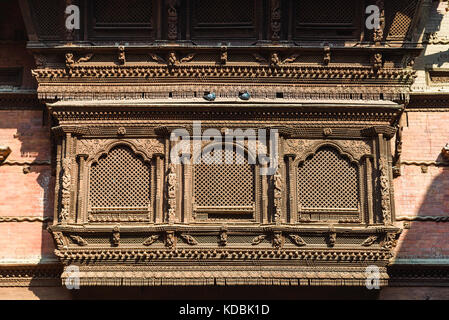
<point x="25" y="219"/>
<point x="424" y="218"/>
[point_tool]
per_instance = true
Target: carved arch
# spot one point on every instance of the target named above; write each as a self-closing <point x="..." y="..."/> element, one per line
<point x="246" y="151"/>
<point x="313" y="149"/>
<point x="333" y="207"/>
<point x="138" y="149"/>
<point x="245" y="211"/>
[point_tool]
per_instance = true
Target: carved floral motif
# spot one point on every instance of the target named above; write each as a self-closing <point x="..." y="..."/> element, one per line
<point x="385" y="190"/>
<point x="369" y="241"/>
<point x="65" y="191"/>
<point x="275" y="20"/>
<point x="189" y="239"/>
<point x="297" y="146"/>
<point x="79" y="240"/>
<point x="171" y="192"/>
<point x="150" y="240"/>
<point x="357" y="148"/>
<point x="172" y="20"/>
<point x="297" y="240"/>
<point x="257" y="240"/>
<point x="278" y="187"/>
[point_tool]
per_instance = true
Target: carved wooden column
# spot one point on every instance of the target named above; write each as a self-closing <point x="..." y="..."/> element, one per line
<point x="292" y="190"/>
<point x="278" y="190"/>
<point x="159" y="188"/>
<point x="265" y="201"/>
<point x="82" y="186"/>
<point x="59" y="148"/>
<point x="172" y="181"/>
<point x="369" y="189"/>
<point x="74" y="180"/>
<point x="66" y="180"/>
<point x="172" y="19"/>
<point x="384" y="181"/>
<point x="187" y="192"/>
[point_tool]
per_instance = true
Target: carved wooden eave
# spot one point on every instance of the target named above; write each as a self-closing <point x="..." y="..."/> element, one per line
<point x="85" y="73"/>
<point x="263" y="112"/>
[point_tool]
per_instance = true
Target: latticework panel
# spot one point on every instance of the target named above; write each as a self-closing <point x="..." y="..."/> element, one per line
<point x="216" y="12"/>
<point x="325" y="12"/>
<point x="327" y="181"/>
<point x="224" y="19"/>
<point x="399" y="16"/>
<point x="120" y="180"/>
<point x="123" y="11"/>
<point x="49" y="18"/>
<point x="230" y="184"/>
<point x="326" y="19"/>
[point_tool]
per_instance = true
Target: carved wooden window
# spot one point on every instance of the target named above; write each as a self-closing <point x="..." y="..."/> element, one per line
<point x="327" y="19"/>
<point x="225" y="189"/>
<point x="119" y="182"/>
<point x="399" y="15"/>
<point x="122" y="18"/>
<point x="234" y="19"/>
<point x="328" y="186"/>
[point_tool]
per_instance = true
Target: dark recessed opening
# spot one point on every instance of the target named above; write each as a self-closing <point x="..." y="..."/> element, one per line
<point x="279" y="95"/>
<point x="170" y="94"/>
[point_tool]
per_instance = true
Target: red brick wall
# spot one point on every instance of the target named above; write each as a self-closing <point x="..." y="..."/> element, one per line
<point x="422" y="193"/>
<point x="25" y="195"/>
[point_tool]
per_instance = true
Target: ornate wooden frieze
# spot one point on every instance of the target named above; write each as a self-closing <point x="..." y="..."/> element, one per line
<point x="266" y="67"/>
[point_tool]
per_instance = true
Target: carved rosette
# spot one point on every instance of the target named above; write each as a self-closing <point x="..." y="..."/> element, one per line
<point x="171" y="192"/>
<point x="65" y="190"/>
<point x="385" y="191"/>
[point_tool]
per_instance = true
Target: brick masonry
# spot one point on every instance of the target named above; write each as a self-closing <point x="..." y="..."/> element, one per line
<point x="25" y="195"/>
